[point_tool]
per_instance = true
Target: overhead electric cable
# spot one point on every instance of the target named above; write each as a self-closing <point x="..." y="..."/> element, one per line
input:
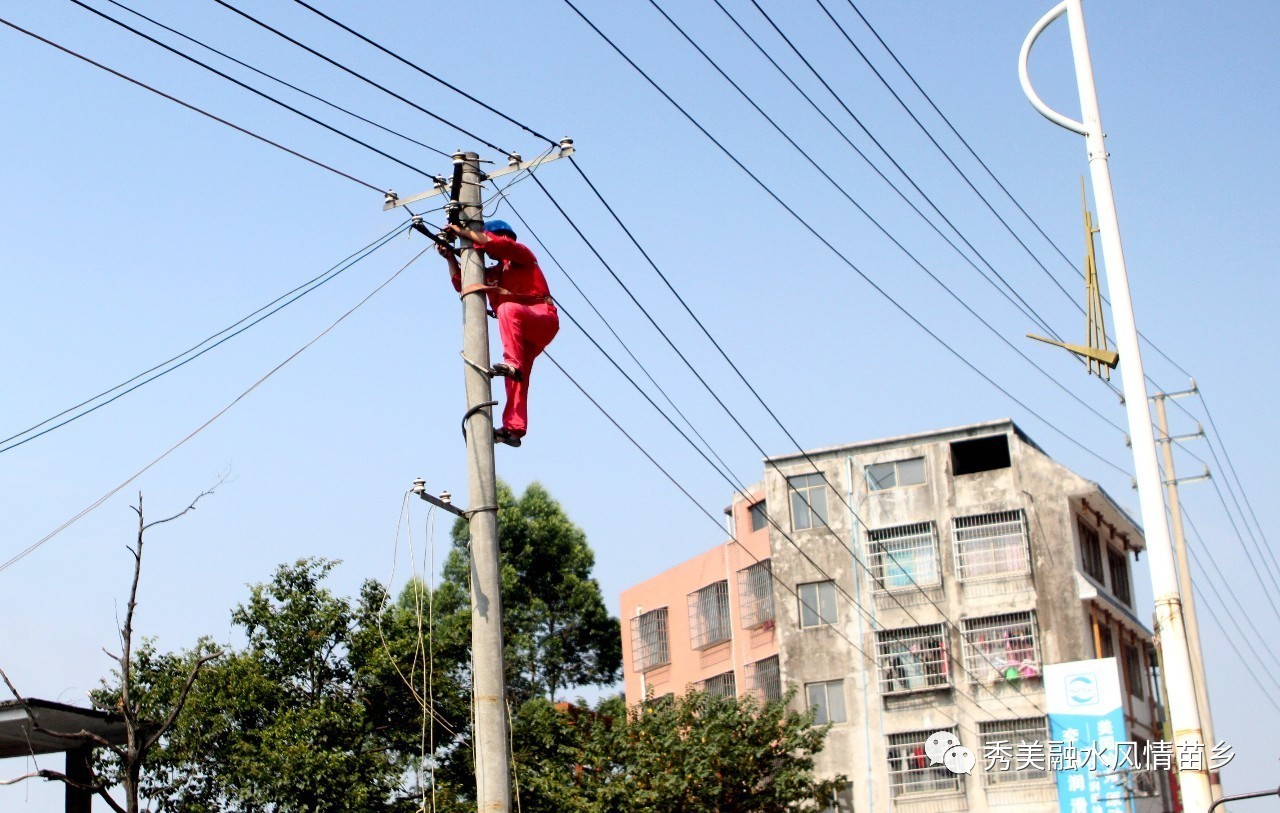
<point x="840" y="255"/>
<point x="429" y="75"/>
<point x="277" y="79"/>
<point x="1006" y="291"/>
<point x="978" y="158"/>
<point x="914" y="259"/>
<point x="1235" y="596"/>
<point x="191" y="107"/>
<point x="191" y="354"/>
<point x="250" y="88"/>
<point x="359" y="76"/>
<point x="928" y="134"/>
<point x="858" y="560"/>
<point x="38" y="543"/>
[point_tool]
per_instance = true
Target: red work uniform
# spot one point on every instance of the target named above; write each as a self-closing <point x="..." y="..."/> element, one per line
<point x="527" y="319"/>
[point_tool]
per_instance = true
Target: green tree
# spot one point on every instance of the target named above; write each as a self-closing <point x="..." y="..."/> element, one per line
<point x="282" y="725"/>
<point x="557" y="631"/>
<point x="695" y="754"/>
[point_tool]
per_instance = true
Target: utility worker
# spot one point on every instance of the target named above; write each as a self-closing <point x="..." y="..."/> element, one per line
<point x="527" y="318"/>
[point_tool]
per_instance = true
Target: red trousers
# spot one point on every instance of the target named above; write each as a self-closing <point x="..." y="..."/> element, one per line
<point x="526" y="331"/>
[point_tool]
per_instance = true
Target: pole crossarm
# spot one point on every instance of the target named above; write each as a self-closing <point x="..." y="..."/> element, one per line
<point x="514" y="165"/>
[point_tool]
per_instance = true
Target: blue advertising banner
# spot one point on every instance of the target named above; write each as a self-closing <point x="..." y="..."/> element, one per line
<point x="1087" y="730"/>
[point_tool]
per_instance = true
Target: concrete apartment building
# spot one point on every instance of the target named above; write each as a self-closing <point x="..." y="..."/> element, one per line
<point x="920" y="584"/>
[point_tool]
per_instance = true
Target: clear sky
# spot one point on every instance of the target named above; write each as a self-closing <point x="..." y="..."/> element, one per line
<point x="132" y="228"/>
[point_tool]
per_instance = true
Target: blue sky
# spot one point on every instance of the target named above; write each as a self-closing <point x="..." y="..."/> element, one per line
<point x="132" y="228"/>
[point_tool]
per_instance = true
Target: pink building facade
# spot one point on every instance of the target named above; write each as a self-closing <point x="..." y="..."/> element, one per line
<point x="709" y="621"/>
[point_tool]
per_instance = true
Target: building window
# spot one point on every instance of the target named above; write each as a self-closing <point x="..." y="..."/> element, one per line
<point x="1003" y="741"/>
<point x="905" y="556"/>
<point x="980" y="454"/>
<point x="1090" y="550"/>
<point x="759" y="519"/>
<point x="755" y="592"/>
<point x="765" y="680"/>
<point x="827" y="700"/>
<point x="895" y="473"/>
<point x="723" y="685"/>
<point x="991" y="545"/>
<point x="709" y="622"/>
<point x="911" y="771"/>
<point x="1106" y="645"/>
<point x="912" y="659"/>
<point x="840" y="800"/>
<point x="1002" y="647"/>
<point x="1119" y="564"/>
<point x="817" y="603"/>
<point x="1133" y="671"/>
<point x="649" y="640"/>
<point x="808" y="501"/>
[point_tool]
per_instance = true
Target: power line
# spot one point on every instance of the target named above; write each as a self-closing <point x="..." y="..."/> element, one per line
<point x="978" y="158"/>
<point x="760" y="449"/>
<point x="277" y="79"/>
<point x="191" y="107"/>
<point x="843" y="258"/>
<point x="38" y="543"/>
<point x="359" y="76"/>
<point x="250" y="88"/>
<point x="229" y="332"/>
<point x="950" y="291"/>
<point x="429" y="75"/>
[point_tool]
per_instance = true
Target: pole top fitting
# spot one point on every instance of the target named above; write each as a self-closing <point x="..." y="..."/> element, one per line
<point x="514" y="159"/>
<point x="566" y="143"/>
<point x="419" y="486"/>
<point x="459" y="156"/>
<point x="390" y="196"/>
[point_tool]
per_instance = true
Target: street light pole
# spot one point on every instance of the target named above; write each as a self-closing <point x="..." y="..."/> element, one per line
<point x="1184" y="711"/>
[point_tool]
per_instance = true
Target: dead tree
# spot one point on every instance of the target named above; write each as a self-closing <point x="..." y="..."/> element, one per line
<point x="141" y="735"/>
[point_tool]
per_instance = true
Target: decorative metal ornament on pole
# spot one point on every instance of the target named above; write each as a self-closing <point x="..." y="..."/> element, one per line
<point x="1175" y="655"/>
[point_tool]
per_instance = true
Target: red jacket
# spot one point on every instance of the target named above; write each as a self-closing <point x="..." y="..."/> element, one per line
<point x="517" y="273"/>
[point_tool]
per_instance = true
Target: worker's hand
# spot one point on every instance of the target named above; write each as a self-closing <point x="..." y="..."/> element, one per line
<point x="445" y="251"/>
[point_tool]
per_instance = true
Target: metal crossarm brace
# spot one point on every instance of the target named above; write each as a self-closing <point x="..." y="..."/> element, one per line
<point x="514" y="165"/>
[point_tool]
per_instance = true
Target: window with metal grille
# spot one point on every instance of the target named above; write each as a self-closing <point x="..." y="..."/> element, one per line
<point x="808" y="501"/>
<point x="912" y="659"/>
<point x="910" y="769"/>
<point x="991" y="545"/>
<point x="827" y="700"/>
<point x="1090" y="550"/>
<point x="817" y="603"/>
<point x="759" y="519"/>
<point x="709" y="615"/>
<point x="1003" y="647"/>
<point x="765" y="679"/>
<point x="1119" y="564"/>
<point x="755" y="593"/>
<point x="905" y="556"/>
<point x="840" y="800"/>
<point x="723" y="685"/>
<point x="1003" y="740"/>
<point x="1133" y="671"/>
<point x="895" y="473"/>
<point x="649" y="646"/>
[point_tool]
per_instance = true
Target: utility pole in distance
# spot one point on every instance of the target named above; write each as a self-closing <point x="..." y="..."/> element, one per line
<point x="1190" y="620"/>
<point x="488" y="674"/>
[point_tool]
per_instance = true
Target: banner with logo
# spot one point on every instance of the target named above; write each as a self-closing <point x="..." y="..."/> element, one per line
<point x="1086" y="722"/>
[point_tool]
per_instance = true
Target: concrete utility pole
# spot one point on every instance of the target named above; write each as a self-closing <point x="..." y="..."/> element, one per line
<point x="1184" y="713"/>
<point x="1184" y="572"/>
<point x="493" y="766"/>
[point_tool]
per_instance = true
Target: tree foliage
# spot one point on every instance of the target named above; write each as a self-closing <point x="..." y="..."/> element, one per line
<point x="695" y="754"/>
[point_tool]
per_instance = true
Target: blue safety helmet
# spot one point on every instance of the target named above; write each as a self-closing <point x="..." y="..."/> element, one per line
<point x="500" y="227"/>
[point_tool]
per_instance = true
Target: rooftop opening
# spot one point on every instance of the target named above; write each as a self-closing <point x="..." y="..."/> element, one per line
<point x="980" y="454"/>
